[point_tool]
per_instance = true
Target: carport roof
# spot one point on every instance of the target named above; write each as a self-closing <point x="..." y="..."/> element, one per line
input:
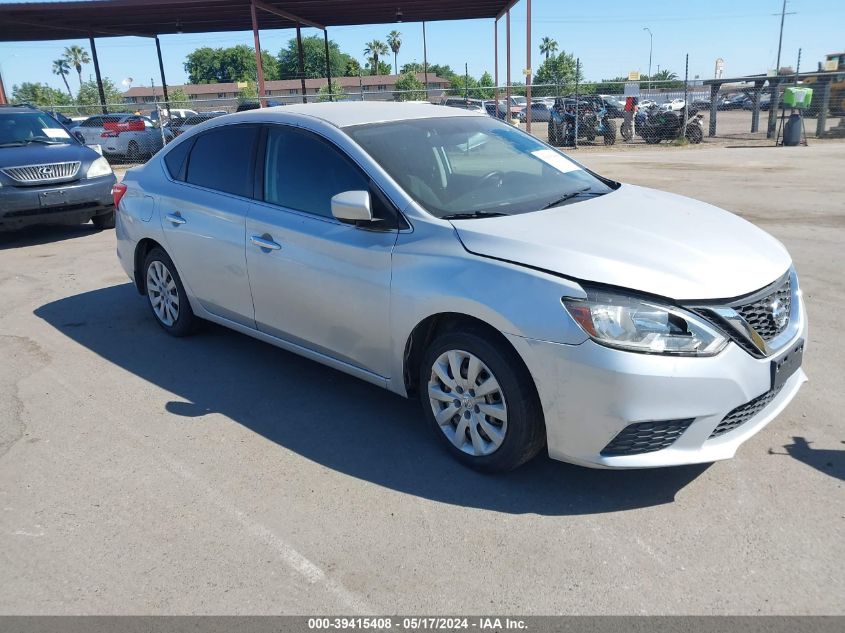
<point x="30" y="21"/>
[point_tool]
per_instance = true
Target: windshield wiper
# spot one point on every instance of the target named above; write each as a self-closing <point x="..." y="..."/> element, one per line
<point x="574" y="194"/>
<point x="472" y="215"/>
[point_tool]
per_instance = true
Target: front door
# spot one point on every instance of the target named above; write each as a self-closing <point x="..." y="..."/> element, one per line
<point x="318" y="282"/>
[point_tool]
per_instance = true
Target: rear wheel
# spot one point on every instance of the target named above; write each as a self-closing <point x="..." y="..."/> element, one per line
<point x="651" y="139"/>
<point x="104" y="221"/>
<point x="133" y="152"/>
<point x="694" y="133"/>
<point x="481" y="401"/>
<point x="166" y="295"/>
<point x="609" y="133"/>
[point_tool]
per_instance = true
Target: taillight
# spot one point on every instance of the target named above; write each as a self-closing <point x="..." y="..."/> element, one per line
<point x="117" y="191"/>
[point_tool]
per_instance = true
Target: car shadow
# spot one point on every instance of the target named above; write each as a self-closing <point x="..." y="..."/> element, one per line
<point x="831" y="462"/>
<point x="333" y="419"/>
<point x="44" y="234"/>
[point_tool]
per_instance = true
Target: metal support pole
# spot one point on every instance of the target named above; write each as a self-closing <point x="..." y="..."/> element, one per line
<point x="714" y="108"/>
<point x="686" y="97"/>
<point x="259" y="64"/>
<point x="577" y="102"/>
<point x="528" y="66"/>
<point x="425" y="62"/>
<point x="508" y="67"/>
<point x="774" y="91"/>
<point x="163" y="79"/>
<point x="328" y="63"/>
<point x="97" y="73"/>
<point x="301" y="61"/>
<point x="755" y="106"/>
<point x="821" y="122"/>
<point x="496" y="65"/>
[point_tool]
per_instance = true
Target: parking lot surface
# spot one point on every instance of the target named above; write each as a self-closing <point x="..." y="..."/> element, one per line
<point x="218" y="475"/>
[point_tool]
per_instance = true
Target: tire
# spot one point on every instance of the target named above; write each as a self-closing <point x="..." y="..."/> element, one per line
<point x="694" y="134"/>
<point x="610" y="133"/>
<point x="133" y="152"/>
<point x="487" y="443"/>
<point x="104" y="221"/>
<point x="159" y="267"/>
<point x="553" y="135"/>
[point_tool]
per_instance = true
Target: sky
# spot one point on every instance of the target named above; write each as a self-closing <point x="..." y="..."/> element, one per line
<point x="609" y="38"/>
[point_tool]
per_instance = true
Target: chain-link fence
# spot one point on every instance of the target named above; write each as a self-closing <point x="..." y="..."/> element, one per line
<point x="569" y="115"/>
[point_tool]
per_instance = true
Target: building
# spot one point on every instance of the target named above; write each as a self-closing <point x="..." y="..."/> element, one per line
<point x="377" y="87"/>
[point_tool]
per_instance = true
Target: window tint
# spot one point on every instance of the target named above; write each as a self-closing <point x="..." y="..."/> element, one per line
<point x="221" y="159"/>
<point x="92" y="122"/>
<point x="303" y="172"/>
<point x="175" y="159"/>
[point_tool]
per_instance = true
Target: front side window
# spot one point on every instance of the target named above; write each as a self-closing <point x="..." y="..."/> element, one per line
<point x="303" y="172"/>
<point x="25" y="128"/>
<point x="222" y="159"/>
<point x="475" y="165"/>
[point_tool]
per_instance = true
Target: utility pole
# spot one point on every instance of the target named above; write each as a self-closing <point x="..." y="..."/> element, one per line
<point x="466" y="81"/>
<point x="775" y="82"/>
<point x="650" y="48"/>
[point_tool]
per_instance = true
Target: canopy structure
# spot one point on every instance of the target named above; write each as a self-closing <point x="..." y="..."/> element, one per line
<point x="33" y="21"/>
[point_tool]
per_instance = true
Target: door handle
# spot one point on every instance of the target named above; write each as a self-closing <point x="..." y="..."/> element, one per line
<point x="175" y="218"/>
<point x="265" y="242"/>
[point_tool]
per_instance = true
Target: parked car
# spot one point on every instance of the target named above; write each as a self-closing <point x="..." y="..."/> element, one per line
<point x="445" y="255"/>
<point x="540" y="112"/>
<point x="463" y="103"/>
<point x="673" y="105"/>
<point x="732" y="102"/>
<point x="186" y="124"/>
<point x="173" y="113"/>
<point x="615" y="108"/>
<point x="129" y="136"/>
<point x="48" y="176"/>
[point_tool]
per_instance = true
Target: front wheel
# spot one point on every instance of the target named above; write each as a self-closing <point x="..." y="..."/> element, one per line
<point x="609" y="133"/>
<point x="166" y="294"/>
<point x="481" y="401"/>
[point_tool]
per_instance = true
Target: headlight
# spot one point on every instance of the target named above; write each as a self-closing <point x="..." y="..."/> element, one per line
<point x="99" y="167"/>
<point x="637" y="325"/>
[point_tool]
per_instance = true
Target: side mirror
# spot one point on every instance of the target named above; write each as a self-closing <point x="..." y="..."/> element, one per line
<point x="352" y="206"/>
<point x="78" y="135"/>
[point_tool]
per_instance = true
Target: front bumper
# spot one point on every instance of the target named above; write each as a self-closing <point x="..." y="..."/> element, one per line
<point x="590" y="393"/>
<point x="80" y="201"/>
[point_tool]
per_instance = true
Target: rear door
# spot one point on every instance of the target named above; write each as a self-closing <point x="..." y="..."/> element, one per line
<point x="323" y="284"/>
<point x="203" y="216"/>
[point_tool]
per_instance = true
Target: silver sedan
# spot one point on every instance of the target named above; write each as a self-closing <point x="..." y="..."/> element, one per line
<point x="528" y="302"/>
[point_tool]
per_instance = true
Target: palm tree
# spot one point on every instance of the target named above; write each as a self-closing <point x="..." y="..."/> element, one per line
<point x="665" y="75"/>
<point x="548" y="46"/>
<point x="76" y="56"/>
<point x="394" y="41"/>
<point x="61" y="67"/>
<point x="373" y="50"/>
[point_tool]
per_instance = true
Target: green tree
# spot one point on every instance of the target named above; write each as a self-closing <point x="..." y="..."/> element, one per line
<point x="464" y="85"/>
<point x="77" y="56"/>
<point x="394" y="41"/>
<point x="224" y="65"/>
<point x="248" y="93"/>
<point x="372" y="51"/>
<point x="413" y="89"/>
<point x="178" y="97"/>
<point x="62" y="68"/>
<point x="443" y="71"/>
<point x="314" y="59"/>
<point x="548" y="46"/>
<point x="664" y="75"/>
<point x="38" y="94"/>
<point x="486" y="87"/>
<point x="89" y="97"/>
<point x="383" y="68"/>
<point x="558" y="75"/>
<point x="337" y="92"/>
<point x="353" y="68"/>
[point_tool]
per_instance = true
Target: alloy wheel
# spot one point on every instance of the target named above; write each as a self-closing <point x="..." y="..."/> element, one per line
<point x="468" y="403"/>
<point x="163" y="293"/>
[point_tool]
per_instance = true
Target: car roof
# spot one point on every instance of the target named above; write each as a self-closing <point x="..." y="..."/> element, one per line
<point x="349" y="113"/>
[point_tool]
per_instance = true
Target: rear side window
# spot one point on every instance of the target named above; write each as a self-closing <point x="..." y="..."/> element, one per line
<point x="222" y="159"/>
<point x="303" y="172"/>
<point x="176" y="159"/>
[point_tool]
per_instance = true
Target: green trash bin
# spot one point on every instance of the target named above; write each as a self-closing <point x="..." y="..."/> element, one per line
<point x="799" y="98"/>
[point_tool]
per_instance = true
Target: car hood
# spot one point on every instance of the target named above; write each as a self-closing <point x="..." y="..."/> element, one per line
<point x="37" y="154"/>
<point x="638" y="238"/>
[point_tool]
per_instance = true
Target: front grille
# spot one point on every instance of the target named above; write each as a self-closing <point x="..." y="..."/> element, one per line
<point x="646" y="437"/>
<point x="48" y="172"/>
<point x="744" y="413"/>
<point x="761" y="314"/>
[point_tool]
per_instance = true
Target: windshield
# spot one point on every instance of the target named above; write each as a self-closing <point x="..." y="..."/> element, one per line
<point x="23" y="128"/>
<point x="474" y="166"/>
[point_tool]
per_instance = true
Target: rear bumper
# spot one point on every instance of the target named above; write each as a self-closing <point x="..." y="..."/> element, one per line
<point x="80" y="201"/>
<point x="591" y="393"/>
